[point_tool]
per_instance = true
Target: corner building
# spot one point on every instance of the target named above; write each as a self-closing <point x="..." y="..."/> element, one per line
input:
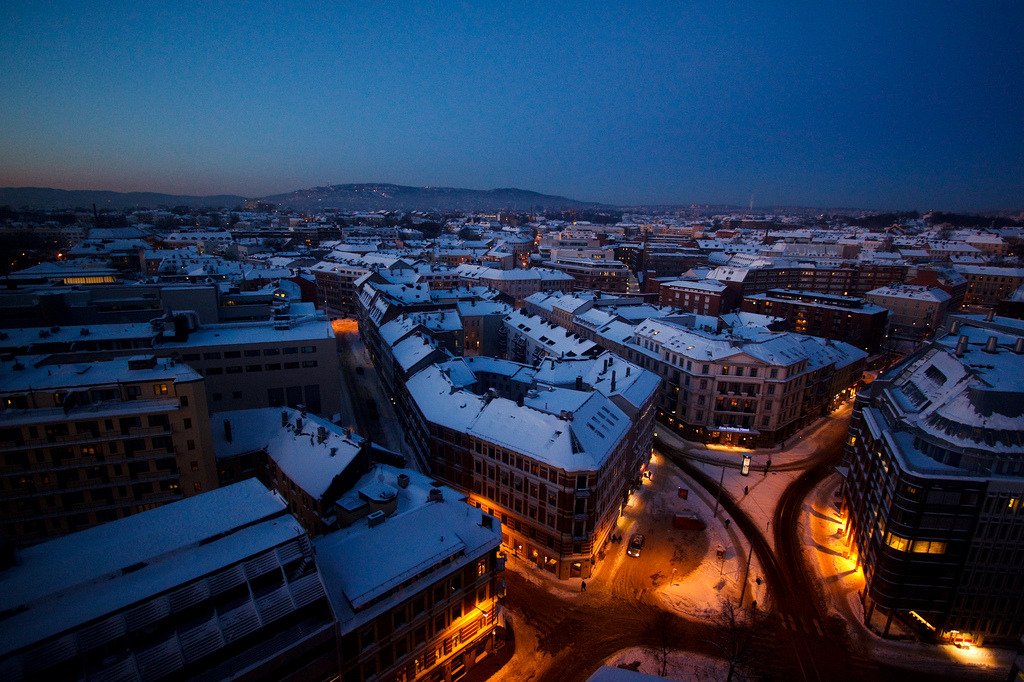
<point x="935" y="489"/>
<point x="553" y="451"/>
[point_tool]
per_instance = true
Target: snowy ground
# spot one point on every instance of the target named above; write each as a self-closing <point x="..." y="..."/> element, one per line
<point x="758" y="494"/>
<point x="692" y="586"/>
<point x="697" y="593"/>
<point x="681" y="665"/>
<point x="827" y="551"/>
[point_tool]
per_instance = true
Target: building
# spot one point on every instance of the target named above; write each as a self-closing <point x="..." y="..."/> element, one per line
<point x="936" y="484"/>
<point x="743" y="386"/>
<point x="844" y="318"/>
<point x="307" y="459"/>
<point x="415" y="588"/>
<point x="221" y="585"/>
<point x="915" y="312"/>
<point x="988" y="284"/>
<point x="289" y="361"/>
<point x="515" y="284"/>
<point x="530" y="339"/>
<point x="86" y="443"/>
<point x="705" y="297"/>
<point x="553" y="451"/>
<point x="604" y="274"/>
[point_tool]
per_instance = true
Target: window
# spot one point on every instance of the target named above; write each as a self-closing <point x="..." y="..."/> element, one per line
<point x="184" y="401"/>
<point x="928" y="547"/>
<point x="232" y="354"/>
<point x="211" y="356"/>
<point x="704" y="369"/>
<point x="234" y="369"/>
<point x="188" y="423"/>
<point x="271" y="351"/>
<point x="197" y="487"/>
<point x="194" y="465"/>
<point x="291" y="350"/>
<point x="160" y="389"/>
<point x="254" y="368"/>
<point x="309" y="349"/>
<point x="897" y="543"/>
<point x="309" y="363"/>
<point x="214" y="371"/>
<point x="191" y="444"/>
<point x="252" y="353"/>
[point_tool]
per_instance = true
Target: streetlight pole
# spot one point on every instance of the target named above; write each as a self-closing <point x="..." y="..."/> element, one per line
<point x="718" y="497"/>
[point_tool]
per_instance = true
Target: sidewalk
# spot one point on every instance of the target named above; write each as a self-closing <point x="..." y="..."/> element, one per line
<point x="801" y="445"/>
<point x="834" y="560"/>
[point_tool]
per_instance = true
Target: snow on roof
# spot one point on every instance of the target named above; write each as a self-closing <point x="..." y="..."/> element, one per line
<point x="28" y="336"/>
<point x="912" y="291"/>
<point x="306" y="461"/>
<point x="536" y="428"/>
<point x="72" y="580"/>
<point x="312" y="328"/>
<point x="705" y="285"/>
<point x="33" y="376"/>
<point x="413" y="349"/>
<point x="365" y="568"/>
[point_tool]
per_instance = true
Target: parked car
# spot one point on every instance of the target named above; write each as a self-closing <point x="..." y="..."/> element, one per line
<point x="636" y="543"/>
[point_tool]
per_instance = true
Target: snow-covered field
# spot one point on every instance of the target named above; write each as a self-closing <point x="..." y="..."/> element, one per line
<point x="681" y="665"/>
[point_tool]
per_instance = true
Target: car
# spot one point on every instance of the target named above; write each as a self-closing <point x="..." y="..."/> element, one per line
<point x="636" y="543"/>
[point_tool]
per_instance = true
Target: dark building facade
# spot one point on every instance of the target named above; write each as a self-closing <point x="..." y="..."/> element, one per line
<point x="845" y="318"/>
<point x="936" y="488"/>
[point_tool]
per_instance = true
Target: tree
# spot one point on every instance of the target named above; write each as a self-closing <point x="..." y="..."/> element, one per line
<point x="735" y="635"/>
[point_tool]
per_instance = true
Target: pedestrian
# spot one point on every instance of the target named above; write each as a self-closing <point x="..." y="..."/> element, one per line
<point x="746" y="490"/>
<point x="583" y="586"/>
<point x="727" y="522"/>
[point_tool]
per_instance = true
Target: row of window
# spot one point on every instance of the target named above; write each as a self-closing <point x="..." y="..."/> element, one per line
<point x="270" y="367"/>
<point x="248" y="353"/>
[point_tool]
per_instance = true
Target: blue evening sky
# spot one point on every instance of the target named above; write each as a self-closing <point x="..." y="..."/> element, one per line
<point x="863" y="104"/>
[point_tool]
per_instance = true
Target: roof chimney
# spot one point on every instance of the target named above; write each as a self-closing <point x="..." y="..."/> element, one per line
<point x="990" y="346"/>
<point x="227" y="430"/>
<point x="613" y="380"/>
<point x="955" y="327"/>
<point x="991" y="315"/>
<point x="579" y="382"/>
<point x="961" y="345"/>
<point x="1018" y="347"/>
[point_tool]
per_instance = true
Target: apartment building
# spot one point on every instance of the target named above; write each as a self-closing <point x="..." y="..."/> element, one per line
<point x="415" y="588"/>
<point x="223" y="585"/>
<point x="989" y="284"/>
<point x="844" y="318"/>
<point x="742" y="386"/>
<point x="553" y="451"/>
<point x="705" y="297"/>
<point x="915" y="311"/>
<point x="87" y="443"/>
<point x="935" y="491"/>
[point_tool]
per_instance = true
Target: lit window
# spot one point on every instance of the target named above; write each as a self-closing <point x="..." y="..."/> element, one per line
<point x="897" y="543"/>
<point x="928" y="547"/>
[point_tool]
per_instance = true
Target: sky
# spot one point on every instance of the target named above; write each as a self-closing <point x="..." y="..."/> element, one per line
<point x="879" y="105"/>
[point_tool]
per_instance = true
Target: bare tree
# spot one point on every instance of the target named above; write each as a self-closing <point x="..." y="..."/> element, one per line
<point x="735" y="636"/>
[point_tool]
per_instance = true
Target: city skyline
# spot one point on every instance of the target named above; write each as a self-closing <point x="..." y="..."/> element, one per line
<point x="874" y="108"/>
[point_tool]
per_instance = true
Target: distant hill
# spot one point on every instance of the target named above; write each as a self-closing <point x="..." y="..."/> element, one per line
<point x="375" y="197"/>
<point x="47" y="197"/>
<point x="351" y="197"/>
